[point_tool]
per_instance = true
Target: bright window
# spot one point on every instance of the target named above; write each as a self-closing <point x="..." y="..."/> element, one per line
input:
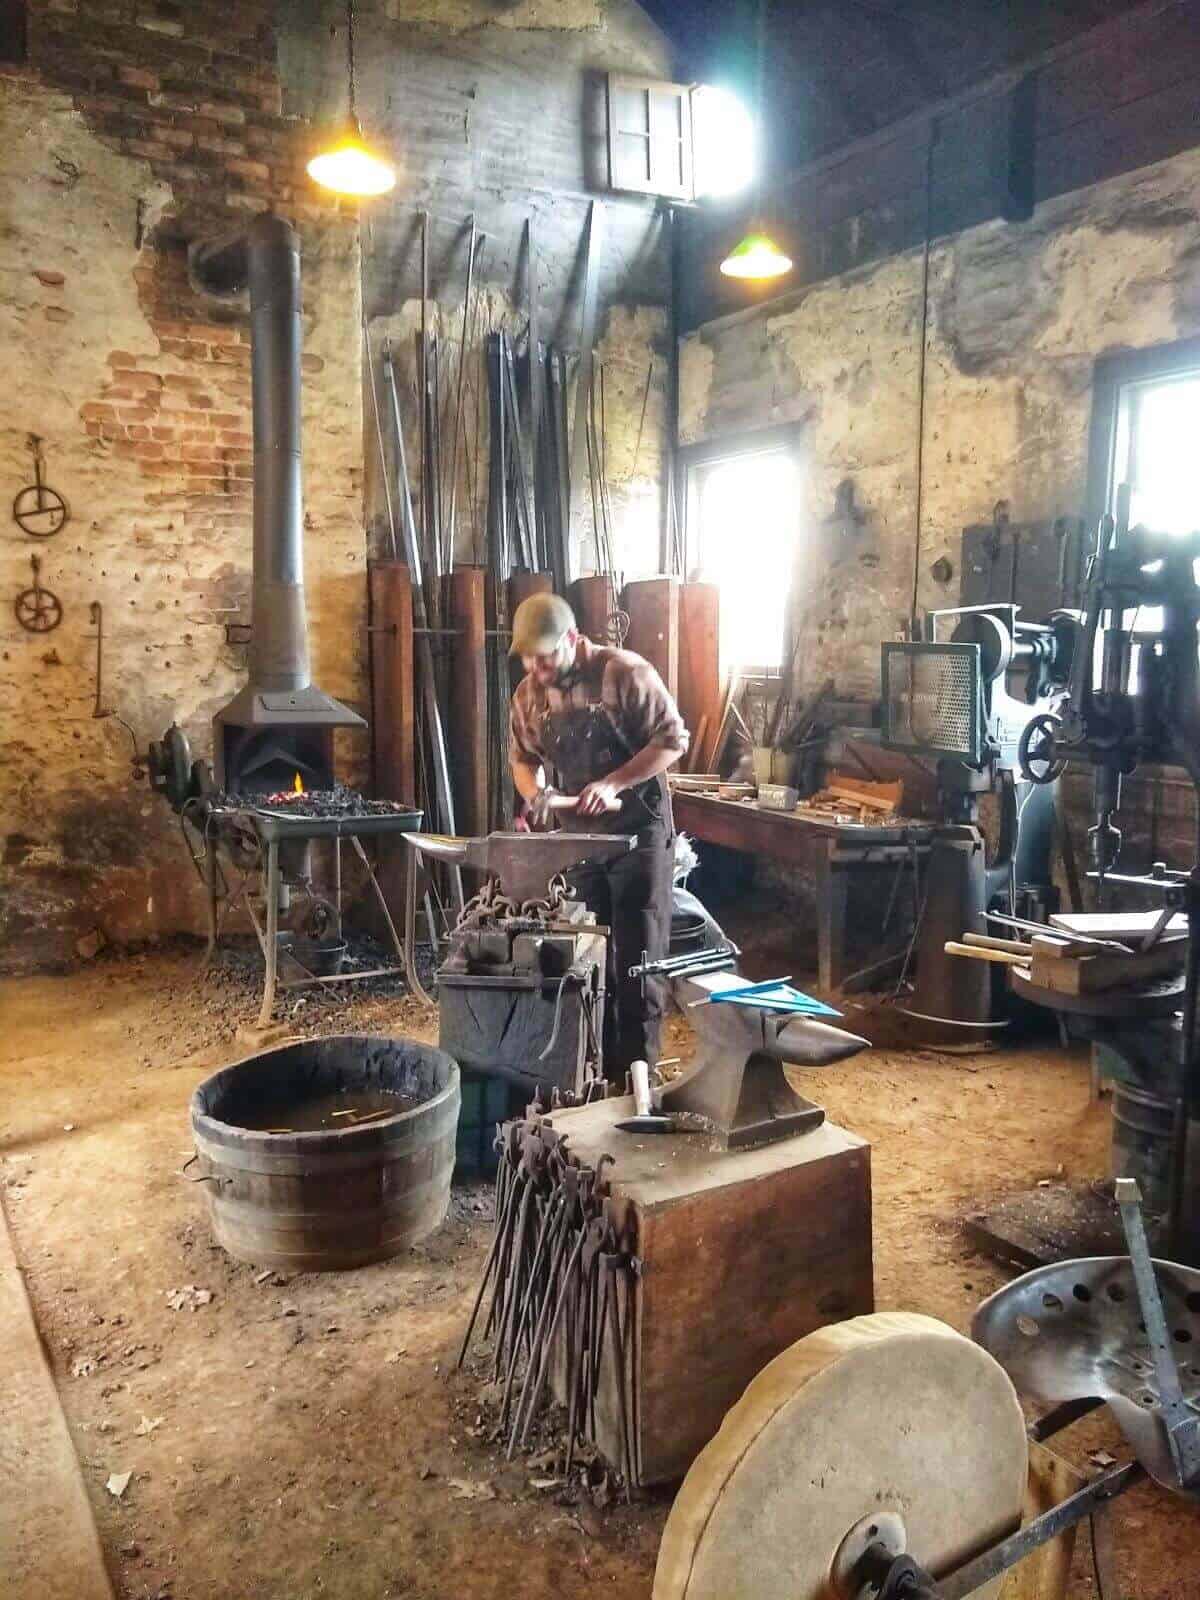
<point x="1158" y="428"/>
<point x="679" y="140"/>
<point x="743" y="540"/>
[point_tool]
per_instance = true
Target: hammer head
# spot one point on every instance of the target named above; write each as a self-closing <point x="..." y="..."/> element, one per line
<point x="523" y="862"/>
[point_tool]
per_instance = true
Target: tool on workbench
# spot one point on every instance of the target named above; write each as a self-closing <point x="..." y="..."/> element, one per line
<point x="948" y="697"/>
<point x="39" y="510"/>
<point x="645" y="1119"/>
<point x="924" y="1447"/>
<point x="37" y="608"/>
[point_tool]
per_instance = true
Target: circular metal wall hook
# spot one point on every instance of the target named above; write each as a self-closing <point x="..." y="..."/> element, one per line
<point x="38" y="610"/>
<point x="39" y="510"/>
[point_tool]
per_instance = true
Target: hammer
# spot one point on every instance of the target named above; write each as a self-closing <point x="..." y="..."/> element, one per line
<point x="646" y="1120"/>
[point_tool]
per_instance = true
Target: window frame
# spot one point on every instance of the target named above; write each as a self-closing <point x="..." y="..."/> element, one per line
<point x="685" y="191"/>
<point x="1114" y="377"/>
<point x="691" y="462"/>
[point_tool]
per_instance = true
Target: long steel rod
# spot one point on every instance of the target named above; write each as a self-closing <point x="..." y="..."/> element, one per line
<point x="424" y="650"/>
<point x="456" y="435"/>
<point x="383" y="466"/>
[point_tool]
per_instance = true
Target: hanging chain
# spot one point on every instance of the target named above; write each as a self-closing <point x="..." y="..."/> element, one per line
<point x="350" y="55"/>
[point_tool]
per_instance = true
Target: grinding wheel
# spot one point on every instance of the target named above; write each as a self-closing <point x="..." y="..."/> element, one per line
<point x="891" y="1427"/>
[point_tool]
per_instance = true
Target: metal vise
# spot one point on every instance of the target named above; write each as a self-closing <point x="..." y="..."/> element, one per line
<point x="522" y="988"/>
<point x="736" y="1086"/>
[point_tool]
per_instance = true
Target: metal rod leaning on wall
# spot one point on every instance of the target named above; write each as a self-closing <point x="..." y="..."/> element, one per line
<point x="383" y="466"/>
<point x="476" y="242"/>
<point x="583" y="375"/>
<point x="422" y="648"/>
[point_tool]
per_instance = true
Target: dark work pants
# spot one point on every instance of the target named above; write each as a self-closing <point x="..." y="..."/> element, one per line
<point x="631" y="895"/>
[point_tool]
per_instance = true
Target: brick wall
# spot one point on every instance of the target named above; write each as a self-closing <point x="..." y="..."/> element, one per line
<point x="129" y="130"/>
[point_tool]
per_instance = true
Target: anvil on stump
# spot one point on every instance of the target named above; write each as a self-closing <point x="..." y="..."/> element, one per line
<point x="736" y="1086"/>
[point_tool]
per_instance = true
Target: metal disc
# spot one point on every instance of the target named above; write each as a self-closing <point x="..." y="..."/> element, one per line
<point x="892" y="1421"/>
<point x="38" y="610"/>
<point x="40" y="511"/>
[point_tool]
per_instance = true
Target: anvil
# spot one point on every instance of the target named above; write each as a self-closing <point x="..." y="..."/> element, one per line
<point x="524" y="863"/>
<point x="735" y="1085"/>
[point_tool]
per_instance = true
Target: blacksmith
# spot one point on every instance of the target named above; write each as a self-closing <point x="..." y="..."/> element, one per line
<point x="599" y="725"/>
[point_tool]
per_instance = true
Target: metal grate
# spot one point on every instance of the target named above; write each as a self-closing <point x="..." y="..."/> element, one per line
<point x="932" y="700"/>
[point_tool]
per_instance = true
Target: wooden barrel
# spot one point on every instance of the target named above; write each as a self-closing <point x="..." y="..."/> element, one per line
<point x="311" y="1201"/>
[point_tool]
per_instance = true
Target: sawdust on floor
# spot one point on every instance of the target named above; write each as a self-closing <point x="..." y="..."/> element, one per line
<point x="311" y="1438"/>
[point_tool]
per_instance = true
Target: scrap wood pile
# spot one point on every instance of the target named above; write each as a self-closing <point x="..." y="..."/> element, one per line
<point x="560" y="1288"/>
<point x="847" y="799"/>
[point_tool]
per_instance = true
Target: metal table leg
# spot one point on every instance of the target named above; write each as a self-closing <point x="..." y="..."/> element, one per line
<point x="210" y="886"/>
<point x="410" y="967"/>
<point x="831" y="918"/>
<point x="271" y="952"/>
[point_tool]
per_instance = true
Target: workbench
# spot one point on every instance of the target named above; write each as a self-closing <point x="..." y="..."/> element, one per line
<point x="833" y="851"/>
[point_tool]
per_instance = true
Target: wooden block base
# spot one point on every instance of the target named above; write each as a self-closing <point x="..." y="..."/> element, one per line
<point x="742" y="1252"/>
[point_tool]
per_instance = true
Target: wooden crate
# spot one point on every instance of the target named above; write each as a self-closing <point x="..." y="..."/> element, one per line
<point x="742" y="1253"/>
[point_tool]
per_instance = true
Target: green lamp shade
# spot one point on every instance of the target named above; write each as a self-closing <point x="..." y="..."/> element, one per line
<point x="758" y="257"/>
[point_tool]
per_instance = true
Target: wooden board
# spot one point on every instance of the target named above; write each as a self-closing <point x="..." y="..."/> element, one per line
<point x="392" y="699"/>
<point x="653" y="607"/>
<point x="1067" y="969"/>
<point x="467" y="724"/>
<point x="700" y="664"/>
<point x="49" y="1549"/>
<point x="1045" y="1574"/>
<point x="1116" y="924"/>
<point x="743" y="1253"/>
<point x="1039" y="1226"/>
<point x="393" y="716"/>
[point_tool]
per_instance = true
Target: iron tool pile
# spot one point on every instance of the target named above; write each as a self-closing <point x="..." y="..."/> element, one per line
<point x="561" y="1287"/>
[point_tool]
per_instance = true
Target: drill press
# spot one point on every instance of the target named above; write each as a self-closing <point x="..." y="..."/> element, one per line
<point x="1135" y="697"/>
<point x="949" y="699"/>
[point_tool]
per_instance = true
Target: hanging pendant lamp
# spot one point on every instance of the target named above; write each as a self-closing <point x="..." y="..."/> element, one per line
<point x="348" y="165"/>
<point x="757" y="258"/>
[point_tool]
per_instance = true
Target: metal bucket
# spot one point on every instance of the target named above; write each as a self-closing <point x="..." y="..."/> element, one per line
<point x="1142" y="1131"/>
<point x="335" y="1197"/>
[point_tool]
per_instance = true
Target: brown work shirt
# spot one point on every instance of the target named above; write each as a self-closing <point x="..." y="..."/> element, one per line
<point x="617" y="684"/>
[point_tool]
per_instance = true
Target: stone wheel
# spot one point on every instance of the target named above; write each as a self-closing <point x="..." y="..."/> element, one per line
<point x="890" y="1427"/>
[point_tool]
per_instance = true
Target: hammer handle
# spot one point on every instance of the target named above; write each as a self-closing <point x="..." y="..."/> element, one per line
<point x="570" y="802"/>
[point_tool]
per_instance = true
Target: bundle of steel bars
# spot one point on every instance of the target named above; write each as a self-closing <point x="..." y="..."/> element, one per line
<point x="561" y="1289"/>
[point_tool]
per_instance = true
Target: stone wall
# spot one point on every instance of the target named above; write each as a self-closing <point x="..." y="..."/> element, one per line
<point x="133" y="127"/>
<point x="1018" y="313"/>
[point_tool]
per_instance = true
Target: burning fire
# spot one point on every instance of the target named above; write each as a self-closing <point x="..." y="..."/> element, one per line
<point x="297" y="786"/>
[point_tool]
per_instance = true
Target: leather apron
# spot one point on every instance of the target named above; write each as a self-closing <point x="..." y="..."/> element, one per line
<point x="584" y="745"/>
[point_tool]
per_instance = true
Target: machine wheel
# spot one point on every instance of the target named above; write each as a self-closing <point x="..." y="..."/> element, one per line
<point x="1037" y="750"/>
<point x="890" y="1428"/>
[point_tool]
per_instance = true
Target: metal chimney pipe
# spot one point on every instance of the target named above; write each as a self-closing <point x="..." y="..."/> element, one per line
<point x="265" y="258"/>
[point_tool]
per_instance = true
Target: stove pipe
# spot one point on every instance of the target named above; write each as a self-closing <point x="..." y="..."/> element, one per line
<point x="265" y="258"/>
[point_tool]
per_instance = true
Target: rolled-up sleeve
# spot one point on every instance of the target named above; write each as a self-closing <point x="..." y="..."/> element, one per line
<point x="524" y="746"/>
<point x="649" y="713"/>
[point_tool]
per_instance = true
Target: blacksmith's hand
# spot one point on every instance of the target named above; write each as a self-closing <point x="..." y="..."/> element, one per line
<point x="597" y="798"/>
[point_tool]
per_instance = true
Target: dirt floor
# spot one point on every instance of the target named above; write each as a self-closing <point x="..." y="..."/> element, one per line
<point x="308" y="1438"/>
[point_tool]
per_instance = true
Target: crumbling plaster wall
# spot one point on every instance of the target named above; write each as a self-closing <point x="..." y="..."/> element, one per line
<point x="1018" y="313"/>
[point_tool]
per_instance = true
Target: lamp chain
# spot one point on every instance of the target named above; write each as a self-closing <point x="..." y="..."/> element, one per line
<point x="350" y="55"/>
